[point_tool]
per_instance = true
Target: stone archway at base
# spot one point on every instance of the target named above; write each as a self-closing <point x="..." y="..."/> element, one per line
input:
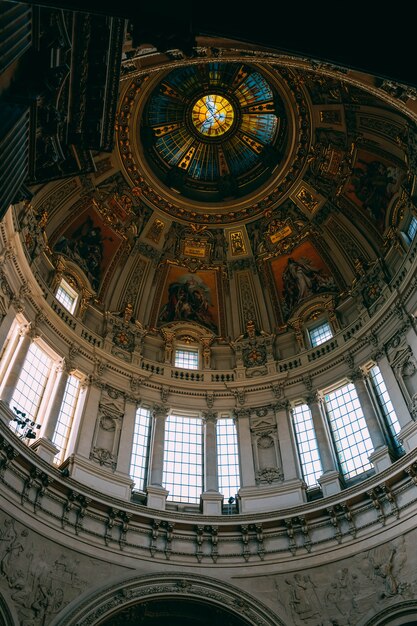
<point x="157" y="594"/>
<point x="399" y="614"/>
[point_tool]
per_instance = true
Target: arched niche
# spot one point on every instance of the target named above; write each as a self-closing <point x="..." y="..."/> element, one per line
<point x="399" y="614"/>
<point x="105" y="605"/>
<point x="75" y="277"/>
<point x="8" y="616"/>
<point x="318" y="308"/>
<point x="187" y="334"/>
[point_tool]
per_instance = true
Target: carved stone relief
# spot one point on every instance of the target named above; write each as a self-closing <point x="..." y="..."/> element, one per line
<point x="347" y="592"/>
<point x="268" y="465"/>
<point x="108" y="428"/>
<point x="39" y="577"/>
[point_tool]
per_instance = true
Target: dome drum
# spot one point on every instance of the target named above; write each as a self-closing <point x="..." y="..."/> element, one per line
<point x="208" y="346"/>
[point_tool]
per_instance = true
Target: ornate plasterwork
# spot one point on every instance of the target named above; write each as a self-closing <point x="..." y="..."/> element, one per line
<point x="116" y="597"/>
<point x="165" y="201"/>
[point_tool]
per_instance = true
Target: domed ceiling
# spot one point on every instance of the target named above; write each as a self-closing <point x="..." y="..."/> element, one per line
<point x="237" y="175"/>
<point x="214" y="130"/>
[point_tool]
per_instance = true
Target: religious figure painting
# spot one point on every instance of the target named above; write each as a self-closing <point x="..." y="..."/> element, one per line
<point x="190" y="297"/>
<point x="373" y="183"/>
<point x="89" y="243"/>
<point x="300" y="275"/>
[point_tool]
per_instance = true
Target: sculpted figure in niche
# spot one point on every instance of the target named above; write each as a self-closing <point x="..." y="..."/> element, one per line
<point x="220" y="246"/>
<point x="171" y="239"/>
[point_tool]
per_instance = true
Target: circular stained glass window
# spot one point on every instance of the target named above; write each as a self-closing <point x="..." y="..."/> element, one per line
<point x="214" y="130"/>
<point x="212" y="115"/>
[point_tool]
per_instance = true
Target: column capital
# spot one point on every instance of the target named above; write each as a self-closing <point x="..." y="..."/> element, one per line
<point x="241" y="413"/>
<point x="313" y="398"/>
<point x="25" y="330"/>
<point x="357" y="375"/>
<point x="159" y="410"/>
<point x="209" y="416"/>
<point x="284" y="405"/>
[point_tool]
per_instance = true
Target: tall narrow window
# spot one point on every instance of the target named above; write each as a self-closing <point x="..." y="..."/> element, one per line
<point x="31" y="385"/>
<point x="320" y="334"/>
<point x="139" y="459"/>
<point x="307" y="445"/>
<point x="66" y="295"/>
<point x="227" y="457"/>
<point x="350" y="432"/>
<point x="385" y="405"/>
<point x="65" y="417"/>
<point x="186" y="359"/>
<point x="412" y="228"/>
<point x="183" y="458"/>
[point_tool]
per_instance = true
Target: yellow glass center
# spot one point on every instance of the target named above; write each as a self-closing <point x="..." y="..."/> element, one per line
<point x="212" y="115"/>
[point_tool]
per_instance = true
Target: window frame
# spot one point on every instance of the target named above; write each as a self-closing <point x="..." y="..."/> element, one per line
<point x="186" y="349"/>
<point x="71" y="292"/>
<point x="142" y="475"/>
<point x="62" y="451"/>
<point x="315" y="326"/>
<point x="298" y="442"/>
<point x="388" y="422"/>
<point x="199" y="487"/>
<point x="227" y="493"/>
<point x="367" y="467"/>
<point x="411" y="224"/>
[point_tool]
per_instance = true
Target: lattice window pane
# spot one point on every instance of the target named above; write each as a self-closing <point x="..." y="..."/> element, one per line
<point x="227" y="458"/>
<point x="307" y="445"/>
<point x="350" y="432"/>
<point x="66" y="296"/>
<point x="66" y="416"/>
<point x="140" y="450"/>
<point x="412" y="228"/>
<point x="386" y="405"/>
<point x="31" y="385"/>
<point x="320" y="334"/>
<point x="186" y="359"/>
<point x="183" y="458"/>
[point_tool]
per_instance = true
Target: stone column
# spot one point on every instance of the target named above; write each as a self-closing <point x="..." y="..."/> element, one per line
<point x="52" y="419"/>
<point x="88" y="420"/>
<point x="330" y="479"/>
<point x="157" y="495"/>
<point x="247" y="470"/>
<point x="126" y="437"/>
<point x="5" y="326"/>
<point x="211" y="499"/>
<point x="17" y="365"/>
<point x="380" y="457"/>
<point x="44" y="446"/>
